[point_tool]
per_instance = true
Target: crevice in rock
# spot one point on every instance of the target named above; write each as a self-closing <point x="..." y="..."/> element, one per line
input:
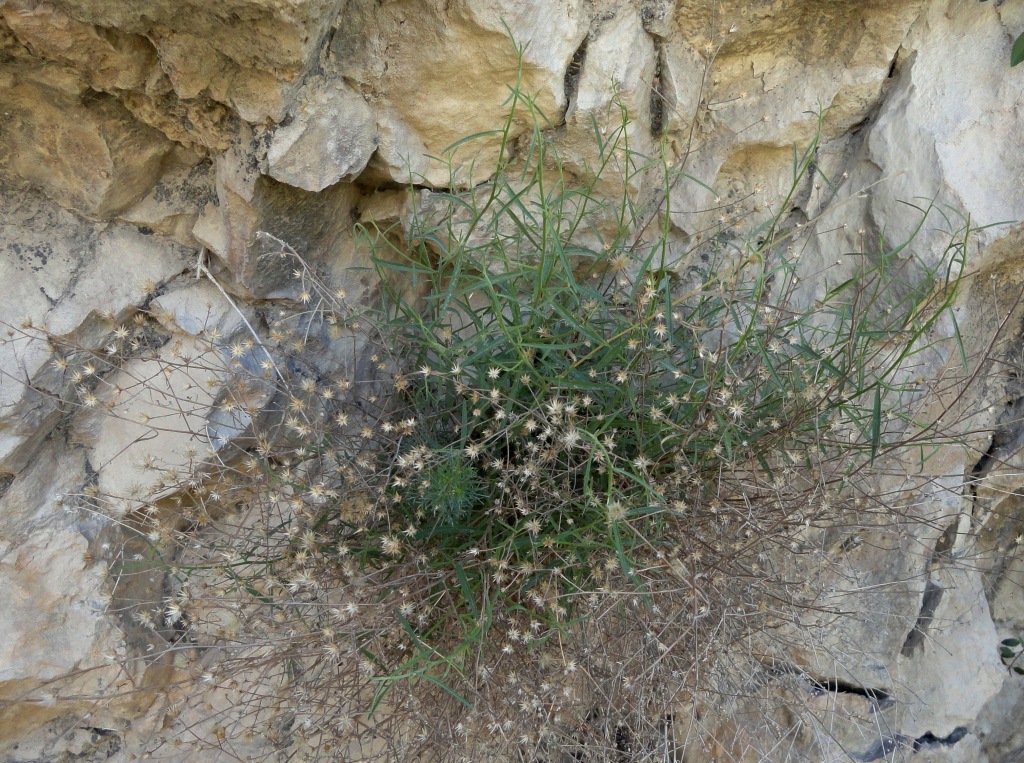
<point x="92" y="477"/>
<point x="327" y="45"/>
<point x="894" y="64"/>
<point x="659" y="104"/>
<point x="572" y="74"/>
<point x="107" y="742"/>
<point x="985" y="463"/>
<point x="163" y="286"/>
<point x="858" y="126"/>
<point x="932" y="594"/>
<point x="879" y="698"/>
<point x="930" y="740"/>
<point x="929" y="603"/>
<point x="1007" y="439"/>
<point x="886" y="746"/>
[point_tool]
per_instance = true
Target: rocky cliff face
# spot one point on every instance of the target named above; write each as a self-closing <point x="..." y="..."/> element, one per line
<point x="144" y="145"/>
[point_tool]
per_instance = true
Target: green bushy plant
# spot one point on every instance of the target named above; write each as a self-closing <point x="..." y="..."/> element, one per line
<point x="562" y="491"/>
<point x="594" y="448"/>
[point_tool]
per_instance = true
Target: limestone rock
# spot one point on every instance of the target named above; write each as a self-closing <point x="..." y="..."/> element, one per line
<point x="198" y="307"/>
<point x="132" y="444"/>
<point x="615" y="85"/>
<point x="110" y="58"/>
<point x="947" y="127"/>
<point x="210" y="231"/>
<point x="250" y="54"/>
<point x="134" y="134"/>
<point x="753" y="80"/>
<point x="124" y="447"/>
<point x="201" y="122"/>
<point x="57" y="276"/>
<point x="54" y="624"/>
<point x="49" y="628"/>
<point x="173" y="205"/>
<point x="436" y="72"/>
<point x="619" y="64"/>
<point x="331" y="136"/>
<point x="272" y="35"/>
<point x="65" y="737"/>
<point x="250" y="204"/>
<point x="89" y="154"/>
<point x="940" y="689"/>
<point x="958" y="748"/>
<point x="999" y="722"/>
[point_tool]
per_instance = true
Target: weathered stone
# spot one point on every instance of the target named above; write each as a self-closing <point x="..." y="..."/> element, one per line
<point x="54" y="624"/>
<point x="331" y="136"/>
<point x="88" y="154"/>
<point x="57" y="275"/>
<point x="753" y="80"/>
<point x="437" y="72"/>
<point x="938" y="688"/>
<point x="35" y="498"/>
<point x="201" y="123"/>
<point x="152" y="422"/>
<point x="174" y="203"/>
<point x="250" y="54"/>
<point x="272" y="35"/>
<point x="198" y="308"/>
<point x="250" y="204"/>
<point x="109" y="58"/>
<point x="619" y="65"/>
<point x="613" y="95"/>
<point x="999" y="722"/>
<point x="65" y="737"/>
<point x="210" y="231"/>
<point x="945" y="131"/>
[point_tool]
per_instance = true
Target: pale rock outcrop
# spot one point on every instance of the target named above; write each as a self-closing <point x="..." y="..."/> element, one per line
<point x="938" y="689"/>
<point x="951" y="122"/>
<point x="331" y="136"/>
<point x="173" y="205"/>
<point x="42" y="639"/>
<point x="63" y="644"/>
<point x="144" y="144"/>
<point x="108" y="57"/>
<point x="613" y="94"/>
<point x="437" y="72"/>
<point x="753" y="80"/>
<point x="248" y="54"/>
<point x="85" y="151"/>
<point x="133" y="439"/>
<point x="58" y="279"/>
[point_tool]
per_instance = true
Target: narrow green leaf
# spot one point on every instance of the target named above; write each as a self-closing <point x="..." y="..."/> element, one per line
<point x="1011" y="642"/>
<point x="1018" y="670"/>
<point x="467" y="589"/>
<point x="959" y="341"/>
<point x="439" y="683"/>
<point x="1005" y="652"/>
<point x="468" y="138"/>
<point x="1017" y="54"/>
<point x="620" y="552"/>
<point x="876" y="424"/>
